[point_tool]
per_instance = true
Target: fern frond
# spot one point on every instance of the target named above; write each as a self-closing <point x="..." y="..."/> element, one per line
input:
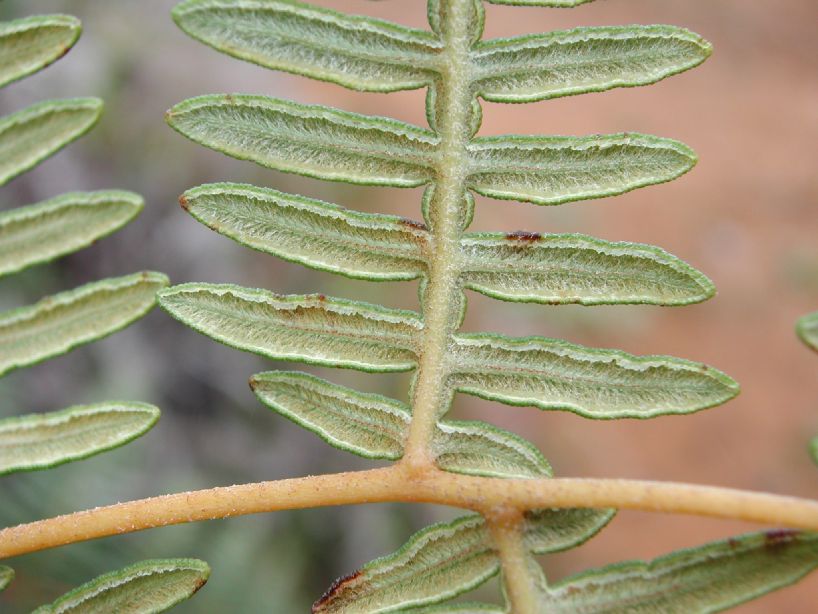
<point x="583" y="60"/>
<point x="30" y="44"/>
<point x="145" y="588"/>
<point x="30" y="136"/>
<point x="374" y="426"/>
<point x="314" y="329"/>
<point x="312" y="232"/>
<point x="808" y="330"/>
<point x="358" y="52"/>
<point x="553" y="374"/>
<point x="47" y="230"/>
<point x="311" y="140"/>
<point x="41" y="441"/>
<point x="711" y="578"/>
<point x="64" y="321"/>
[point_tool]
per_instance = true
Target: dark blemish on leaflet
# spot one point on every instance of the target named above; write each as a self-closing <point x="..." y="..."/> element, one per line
<point x="183" y="203"/>
<point x="414" y="224"/>
<point x="779" y="537"/>
<point x="334" y="588"/>
<point x="523" y="236"/>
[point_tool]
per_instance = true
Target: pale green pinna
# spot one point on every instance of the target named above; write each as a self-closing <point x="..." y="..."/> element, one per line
<point x="458" y="68"/>
<point x="39" y="233"/>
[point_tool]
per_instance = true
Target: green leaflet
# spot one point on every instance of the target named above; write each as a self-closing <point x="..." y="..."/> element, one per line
<point x="556" y="530"/>
<point x="311" y="140"/>
<point x="563" y="63"/>
<point x="554" y="170"/>
<point x="438" y="563"/>
<point x="808" y="330"/>
<point x="144" y="588"/>
<point x="29" y="136"/>
<point x="60" y="323"/>
<point x="313" y="329"/>
<point x="6" y="576"/>
<point x="369" y="425"/>
<point x="813" y="450"/>
<point x="574" y="268"/>
<point x="32" y="43"/>
<point x="598" y="384"/>
<point x="374" y="426"/>
<point x="41" y="441"/>
<point x="357" y="52"/>
<point x="448" y="559"/>
<point x="708" y="579"/>
<point x="311" y="232"/>
<point x="58" y="226"/>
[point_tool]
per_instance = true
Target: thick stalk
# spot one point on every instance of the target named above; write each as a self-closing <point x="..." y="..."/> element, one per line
<point x="403" y="484"/>
<point x="506" y="531"/>
<point x="441" y="300"/>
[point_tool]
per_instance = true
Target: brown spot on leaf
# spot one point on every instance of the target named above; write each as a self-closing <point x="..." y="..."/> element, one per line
<point x="199" y="584"/>
<point x="414" y="224"/>
<point x="336" y="586"/>
<point x="183" y="203"/>
<point x="253" y="382"/>
<point x="524" y="236"/>
<point x="229" y="99"/>
<point x="779" y="537"/>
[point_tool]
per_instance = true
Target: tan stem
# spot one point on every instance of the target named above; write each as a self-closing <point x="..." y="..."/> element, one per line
<point x="401" y="484"/>
<point x="507" y="532"/>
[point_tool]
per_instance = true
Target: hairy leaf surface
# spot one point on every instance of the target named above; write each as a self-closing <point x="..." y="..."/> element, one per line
<point x="461" y="608"/>
<point x="6" y="576"/>
<point x="314" y="329"/>
<point x="529" y="68"/>
<point x="310" y="140"/>
<point x="808" y="330"/>
<point x="375" y="426"/>
<point x="312" y="232"/>
<point x="61" y="322"/>
<point x="29" y="136"/>
<point x="58" y="226"/>
<point x="355" y="51"/>
<point x="555" y="530"/>
<point x="32" y="43"/>
<point x="436" y="564"/>
<point x="606" y="384"/>
<point x="477" y="448"/>
<point x="145" y="588"/>
<point x="551" y="170"/>
<point x="369" y="425"/>
<point x="40" y="441"/>
<point x="708" y="579"/>
<point x="573" y="268"/>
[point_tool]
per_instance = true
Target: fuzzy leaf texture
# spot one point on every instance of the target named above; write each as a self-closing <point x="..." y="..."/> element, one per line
<point x="448" y="559"/>
<point x="311" y="232"/>
<point x="552" y="374"/>
<point x="309" y="140"/>
<point x="563" y="63"/>
<point x="808" y="330"/>
<point x="41" y="441"/>
<point x="355" y="51"/>
<point x="374" y="426"/>
<point x="58" y="226"/>
<point x="712" y="578"/>
<point x="555" y="170"/>
<point x="145" y="588"/>
<point x="560" y="269"/>
<point x="32" y="43"/>
<point x="29" y="136"/>
<point x="313" y="329"/>
<point x="60" y="323"/>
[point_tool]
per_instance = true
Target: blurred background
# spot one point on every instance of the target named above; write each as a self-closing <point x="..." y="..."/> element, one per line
<point x="747" y="217"/>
